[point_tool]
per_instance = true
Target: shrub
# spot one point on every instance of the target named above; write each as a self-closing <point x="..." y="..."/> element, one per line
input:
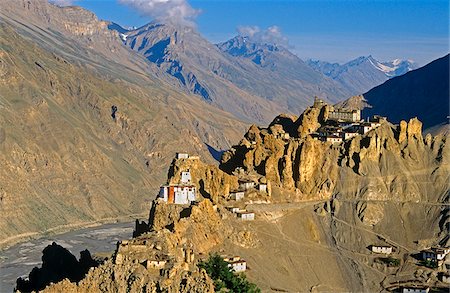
<point x="429" y="264"/>
<point x="224" y="278"/>
<point x="389" y="261"/>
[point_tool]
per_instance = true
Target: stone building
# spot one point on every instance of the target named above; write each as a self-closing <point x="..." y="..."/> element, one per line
<point x="345" y="115"/>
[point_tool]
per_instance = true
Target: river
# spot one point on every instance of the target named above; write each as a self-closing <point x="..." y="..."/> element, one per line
<point x="19" y="260"/>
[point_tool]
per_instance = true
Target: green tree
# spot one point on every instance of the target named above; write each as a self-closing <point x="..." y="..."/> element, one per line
<point x="224" y="278"/>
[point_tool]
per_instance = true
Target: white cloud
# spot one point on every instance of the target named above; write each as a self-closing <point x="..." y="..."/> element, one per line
<point x="271" y="35"/>
<point x="173" y="11"/>
<point x="62" y="2"/>
<point x="248" y="31"/>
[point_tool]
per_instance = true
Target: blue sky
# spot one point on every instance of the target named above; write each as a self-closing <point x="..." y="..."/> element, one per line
<point x="331" y="30"/>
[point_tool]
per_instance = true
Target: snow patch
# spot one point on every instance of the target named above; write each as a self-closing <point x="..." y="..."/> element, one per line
<point x="123" y="37"/>
<point x="381" y="67"/>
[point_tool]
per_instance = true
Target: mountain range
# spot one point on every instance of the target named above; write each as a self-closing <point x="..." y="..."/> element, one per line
<point x="84" y="129"/>
<point x="423" y="92"/>
<point x="363" y="73"/>
<point x="246" y="79"/>
<point x="90" y="111"/>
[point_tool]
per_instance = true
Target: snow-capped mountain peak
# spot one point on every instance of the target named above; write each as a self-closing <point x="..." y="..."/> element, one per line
<point x="363" y="73"/>
<point x="395" y="67"/>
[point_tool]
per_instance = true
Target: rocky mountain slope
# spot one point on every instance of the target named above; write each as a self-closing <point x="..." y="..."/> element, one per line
<point x="380" y="187"/>
<point x="250" y="90"/>
<point x="287" y="74"/>
<point x="362" y="166"/>
<point x="328" y="203"/>
<point x="363" y="73"/>
<point x="423" y="93"/>
<point x="83" y="137"/>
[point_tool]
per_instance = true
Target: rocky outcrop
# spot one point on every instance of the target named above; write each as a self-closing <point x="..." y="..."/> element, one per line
<point x="137" y="279"/>
<point x="212" y="183"/>
<point x="199" y="224"/>
<point x="385" y="163"/>
<point x="311" y="120"/>
<point x="164" y="258"/>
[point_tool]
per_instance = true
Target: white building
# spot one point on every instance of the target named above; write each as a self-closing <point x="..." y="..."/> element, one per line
<point x="435" y="254"/>
<point x="348" y="135"/>
<point x="247" y="216"/>
<point x="382" y="249"/>
<point x="415" y="290"/>
<point x="445" y="278"/>
<point x="246" y="184"/>
<point x="186" y="177"/>
<point x="236" y="264"/>
<point x="262" y="187"/>
<point x="333" y="138"/>
<point x="234" y="209"/>
<point x="237" y="195"/>
<point x="365" y="127"/>
<point x="155" y="264"/>
<point x="182" y="156"/>
<point x="178" y="194"/>
<point x="345" y="115"/>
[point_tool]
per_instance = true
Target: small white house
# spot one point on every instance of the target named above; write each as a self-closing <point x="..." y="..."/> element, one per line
<point x="186" y="177"/>
<point x="365" y="127"/>
<point x="246" y="184"/>
<point x="236" y="264"/>
<point x="234" y="209"/>
<point x="237" y="195"/>
<point x="415" y="289"/>
<point x="333" y="138"/>
<point x="381" y="249"/>
<point x="246" y="216"/>
<point x="445" y="278"/>
<point x="348" y="135"/>
<point x="178" y="194"/>
<point x="262" y="187"/>
<point x="182" y="156"/>
<point x="155" y="264"/>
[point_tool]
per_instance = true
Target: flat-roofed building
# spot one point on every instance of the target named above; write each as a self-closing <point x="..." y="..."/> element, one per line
<point x="381" y="249"/>
<point x="182" y="156"/>
<point x="237" y="195"/>
<point x="246" y="216"/>
<point x="236" y="263"/>
<point x="178" y="194"/>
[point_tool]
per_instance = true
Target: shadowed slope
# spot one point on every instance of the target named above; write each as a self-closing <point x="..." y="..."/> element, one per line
<point x="423" y="93"/>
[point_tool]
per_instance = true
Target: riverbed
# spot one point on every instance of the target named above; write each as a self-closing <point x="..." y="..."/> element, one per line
<point x="19" y="260"/>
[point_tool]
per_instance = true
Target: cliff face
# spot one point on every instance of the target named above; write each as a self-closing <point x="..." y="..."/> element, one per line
<point x="71" y="25"/>
<point x="211" y="182"/>
<point x="153" y="263"/>
<point x="385" y="163"/>
<point x="163" y="259"/>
